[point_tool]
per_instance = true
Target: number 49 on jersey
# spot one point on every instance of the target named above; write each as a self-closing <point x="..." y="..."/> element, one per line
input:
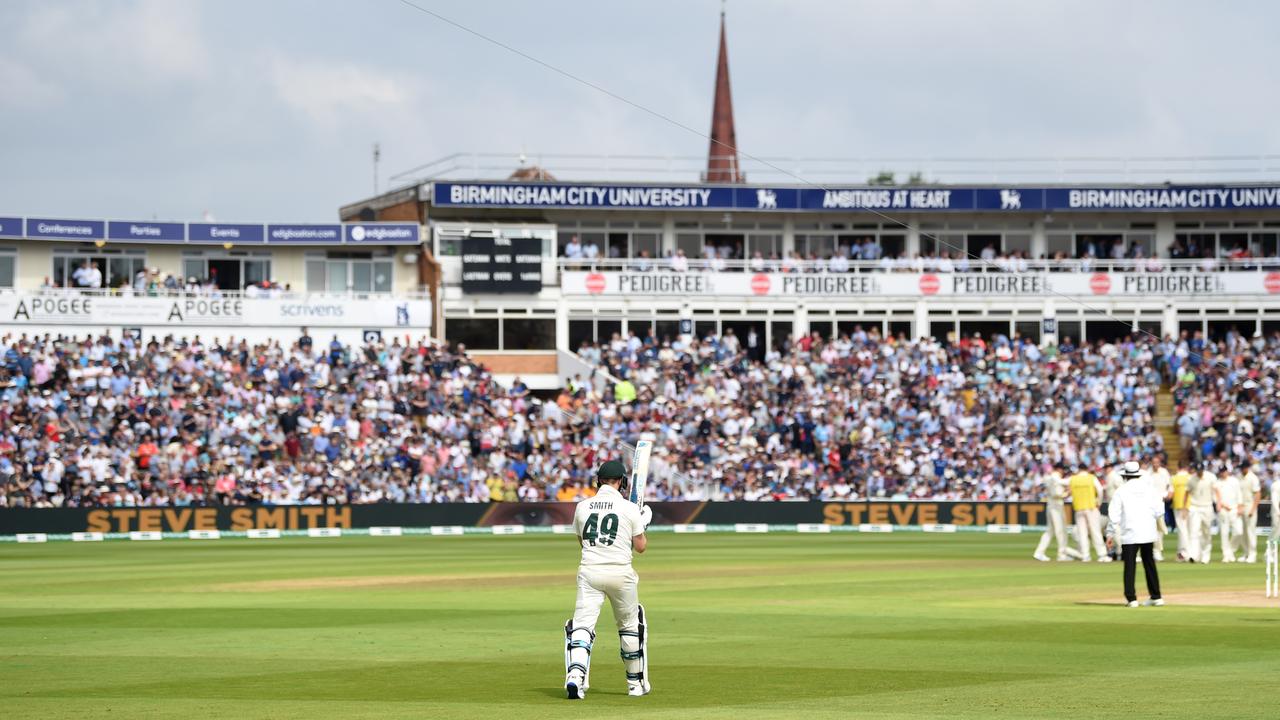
<point x="600" y="530"/>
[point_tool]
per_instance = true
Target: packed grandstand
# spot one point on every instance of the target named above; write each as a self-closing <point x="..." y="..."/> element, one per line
<point x="198" y="421"/>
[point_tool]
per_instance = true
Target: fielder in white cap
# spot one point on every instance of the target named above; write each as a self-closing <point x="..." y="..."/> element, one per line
<point x="1132" y="516"/>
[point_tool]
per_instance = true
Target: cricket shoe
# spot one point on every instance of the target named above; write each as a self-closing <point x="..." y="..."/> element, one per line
<point x="575" y="686"/>
<point x="1041" y="557"/>
<point x="637" y="689"/>
<point x="1154" y="602"/>
<point x="1132" y="603"/>
<point x="1105" y="558"/>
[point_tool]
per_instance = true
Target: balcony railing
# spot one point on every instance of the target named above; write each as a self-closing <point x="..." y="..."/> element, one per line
<point x="918" y="265"/>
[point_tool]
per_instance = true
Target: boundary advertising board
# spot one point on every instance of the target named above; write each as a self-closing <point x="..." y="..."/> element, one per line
<point x="14" y="521"/>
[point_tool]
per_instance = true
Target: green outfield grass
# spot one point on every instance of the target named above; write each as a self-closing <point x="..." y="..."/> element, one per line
<point x="742" y="626"/>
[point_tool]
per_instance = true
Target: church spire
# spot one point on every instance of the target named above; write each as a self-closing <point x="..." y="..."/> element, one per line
<point x="722" y="159"/>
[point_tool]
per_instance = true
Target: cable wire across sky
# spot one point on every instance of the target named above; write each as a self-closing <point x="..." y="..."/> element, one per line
<point x="729" y="148"/>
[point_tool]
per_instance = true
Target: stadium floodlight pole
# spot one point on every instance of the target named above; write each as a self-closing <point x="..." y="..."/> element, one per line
<point x="377" y="155"/>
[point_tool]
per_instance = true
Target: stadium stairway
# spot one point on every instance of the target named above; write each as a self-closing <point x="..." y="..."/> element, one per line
<point x="1166" y="414"/>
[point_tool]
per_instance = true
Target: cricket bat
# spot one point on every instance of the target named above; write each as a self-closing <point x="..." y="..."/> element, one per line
<point x="640" y="471"/>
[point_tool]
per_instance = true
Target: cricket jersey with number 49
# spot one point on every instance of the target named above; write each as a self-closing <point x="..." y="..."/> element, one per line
<point x="606" y="523"/>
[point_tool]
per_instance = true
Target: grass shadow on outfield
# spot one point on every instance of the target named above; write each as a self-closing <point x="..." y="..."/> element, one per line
<point x="270" y="618"/>
<point x="487" y="682"/>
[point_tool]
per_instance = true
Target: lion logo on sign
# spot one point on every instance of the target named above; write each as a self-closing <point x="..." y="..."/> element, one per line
<point x="766" y="199"/>
<point x="1010" y="200"/>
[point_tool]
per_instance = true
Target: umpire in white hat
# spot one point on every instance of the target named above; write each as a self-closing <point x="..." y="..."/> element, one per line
<point x="1132" y="516"/>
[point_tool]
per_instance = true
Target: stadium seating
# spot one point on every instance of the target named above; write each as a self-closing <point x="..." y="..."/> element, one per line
<point x="186" y="421"/>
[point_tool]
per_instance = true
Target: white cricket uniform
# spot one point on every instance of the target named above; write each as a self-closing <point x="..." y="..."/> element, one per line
<point x="1055" y="496"/>
<point x="1200" y="514"/>
<point x="1163" y="485"/>
<point x="1230" y="530"/>
<point x="1275" y="508"/>
<point x="605" y="525"/>
<point x="1250" y="489"/>
<point x="1113" y="482"/>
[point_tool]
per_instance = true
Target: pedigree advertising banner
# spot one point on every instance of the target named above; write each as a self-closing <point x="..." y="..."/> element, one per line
<point x="890" y="284"/>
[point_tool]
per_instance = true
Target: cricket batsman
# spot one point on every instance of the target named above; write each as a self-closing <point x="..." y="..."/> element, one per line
<point x="609" y="527"/>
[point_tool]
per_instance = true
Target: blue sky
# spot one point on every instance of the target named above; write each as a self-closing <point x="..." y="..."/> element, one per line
<point x="267" y="109"/>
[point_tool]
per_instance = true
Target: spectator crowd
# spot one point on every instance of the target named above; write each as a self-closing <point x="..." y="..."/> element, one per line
<point x="189" y="421"/>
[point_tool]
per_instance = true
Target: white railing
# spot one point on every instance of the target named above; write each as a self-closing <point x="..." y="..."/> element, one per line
<point x="924" y="265"/>
<point x="793" y="170"/>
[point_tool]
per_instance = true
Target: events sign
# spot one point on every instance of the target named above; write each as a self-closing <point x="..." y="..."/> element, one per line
<point x="34" y="309"/>
<point x="224" y="233"/>
<point x="878" y="284"/>
<point x="927" y="198"/>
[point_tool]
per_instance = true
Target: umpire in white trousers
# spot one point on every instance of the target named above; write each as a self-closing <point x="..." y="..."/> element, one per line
<point x="1132" y="516"/>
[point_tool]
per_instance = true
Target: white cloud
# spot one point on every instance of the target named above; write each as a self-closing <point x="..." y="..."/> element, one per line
<point x="139" y="45"/>
<point x="332" y="94"/>
<point x="24" y="89"/>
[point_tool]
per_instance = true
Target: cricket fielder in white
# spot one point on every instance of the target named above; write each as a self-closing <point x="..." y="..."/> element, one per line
<point x="1226" y="493"/>
<point x="1162" y="483"/>
<point x="1275" y="508"/>
<point x="608" y="527"/>
<point x="1055" y="497"/>
<point x="1251" y="491"/>
<point x="1200" y="512"/>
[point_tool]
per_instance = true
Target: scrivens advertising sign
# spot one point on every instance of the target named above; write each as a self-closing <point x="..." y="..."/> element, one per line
<point x="36" y="309"/>
<point x="883" y="284"/>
